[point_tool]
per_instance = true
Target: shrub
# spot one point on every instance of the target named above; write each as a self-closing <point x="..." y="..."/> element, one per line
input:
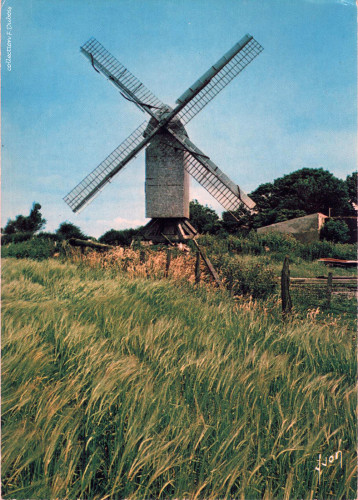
<point x="121" y="238"/>
<point x="216" y="245"/>
<point x="49" y="236"/>
<point x="67" y="230"/>
<point x="257" y="280"/>
<point x="320" y="249"/>
<point x="276" y="245"/>
<point x="284" y="243"/>
<point x="15" y="237"/>
<point x="36" y="248"/>
<point x="336" y="231"/>
<point x="344" y="251"/>
<point x="250" y="245"/>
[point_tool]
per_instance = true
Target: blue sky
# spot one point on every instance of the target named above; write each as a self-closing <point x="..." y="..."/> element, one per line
<point x="294" y="106"/>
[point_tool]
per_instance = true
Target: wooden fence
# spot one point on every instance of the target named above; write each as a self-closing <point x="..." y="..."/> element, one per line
<point x="324" y="287"/>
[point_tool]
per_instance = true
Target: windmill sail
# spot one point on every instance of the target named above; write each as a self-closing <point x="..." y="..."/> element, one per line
<point x="91" y="185"/>
<point x="217" y="77"/>
<point x="129" y="85"/>
<point x="218" y="184"/>
<point x="188" y="105"/>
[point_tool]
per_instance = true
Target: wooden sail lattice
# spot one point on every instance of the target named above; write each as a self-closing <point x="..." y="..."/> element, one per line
<point x="189" y="104"/>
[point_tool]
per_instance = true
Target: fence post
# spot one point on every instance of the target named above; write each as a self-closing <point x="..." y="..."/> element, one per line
<point x="197" y="268"/>
<point x="285" y="287"/>
<point x="329" y="289"/>
<point x="142" y="256"/>
<point x="167" y="264"/>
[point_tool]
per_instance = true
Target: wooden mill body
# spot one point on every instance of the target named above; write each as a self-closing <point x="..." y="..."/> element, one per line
<point x="166" y="180"/>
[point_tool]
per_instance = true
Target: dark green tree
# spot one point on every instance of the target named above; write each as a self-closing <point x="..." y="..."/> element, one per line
<point x="26" y="224"/>
<point x="336" y="231"/>
<point x="67" y="230"/>
<point x="351" y="182"/>
<point x="304" y="192"/>
<point x="203" y="218"/>
<point x="237" y="221"/>
<point x="118" y="237"/>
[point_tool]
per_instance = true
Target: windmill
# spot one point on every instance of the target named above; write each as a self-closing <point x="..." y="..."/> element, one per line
<point x="170" y="155"/>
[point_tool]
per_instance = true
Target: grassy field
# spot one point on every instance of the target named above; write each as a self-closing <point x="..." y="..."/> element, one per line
<point x="115" y="386"/>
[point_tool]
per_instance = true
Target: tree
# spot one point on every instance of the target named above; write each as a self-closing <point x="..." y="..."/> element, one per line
<point x="26" y="224"/>
<point x="336" y="231"/>
<point x="271" y="216"/>
<point x="303" y="192"/>
<point x="351" y="182"/>
<point x="118" y="237"/>
<point x="240" y="220"/>
<point x="67" y="230"/>
<point x="204" y="219"/>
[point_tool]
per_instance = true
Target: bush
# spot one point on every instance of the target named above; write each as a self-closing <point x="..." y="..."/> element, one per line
<point x="36" y="249"/>
<point x="336" y="231"/>
<point x="257" y="280"/>
<point x="15" y="238"/>
<point x="277" y="246"/>
<point x="67" y="230"/>
<point x="250" y="245"/>
<point x="121" y="238"/>
<point x="204" y="219"/>
<point x="281" y="242"/>
<point x="215" y="244"/>
<point x="320" y="249"/>
<point x="49" y="236"/>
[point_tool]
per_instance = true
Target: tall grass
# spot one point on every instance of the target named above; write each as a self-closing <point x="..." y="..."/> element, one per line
<point x="121" y="387"/>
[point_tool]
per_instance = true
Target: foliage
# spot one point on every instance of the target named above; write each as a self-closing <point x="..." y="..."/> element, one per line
<point x="49" y="236"/>
<point x="135" y="388"/>
<point x="288" y="214"/>
<point x="204" y="219"/>
<point x="121" y="237"/>
<point x="68" y="230"/>
<point x="35" y="248"/>
<point x="15" y="237"/>
<point x="351" y="182"/>
<point x="242" y="278"/>
<point x="26" y="224"/>
<point x="306" y="191"/>
<point x="336" y="231"/>
<point x="237" y="221"/>
<point x="322" y="249"/>
<point x="277" y="244"/>
<point x="252" y="244"/>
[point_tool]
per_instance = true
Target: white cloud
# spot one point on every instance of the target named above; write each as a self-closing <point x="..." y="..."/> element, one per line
<point x="122" y="223"/>
<point x="327" y="2"/>
<point x="100" y="226"/>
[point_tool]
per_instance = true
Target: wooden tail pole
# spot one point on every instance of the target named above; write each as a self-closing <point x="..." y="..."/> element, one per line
<point x="83" y="244"/>
<point x="209" y="265"/>
<point x="285" y="288"/>
<point x="197" y="268"/>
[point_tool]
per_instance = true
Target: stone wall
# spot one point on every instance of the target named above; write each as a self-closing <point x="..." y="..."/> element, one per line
<point x="305" y="229"/>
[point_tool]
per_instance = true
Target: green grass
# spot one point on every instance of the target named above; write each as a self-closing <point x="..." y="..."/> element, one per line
<point x="134" y="388"/>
